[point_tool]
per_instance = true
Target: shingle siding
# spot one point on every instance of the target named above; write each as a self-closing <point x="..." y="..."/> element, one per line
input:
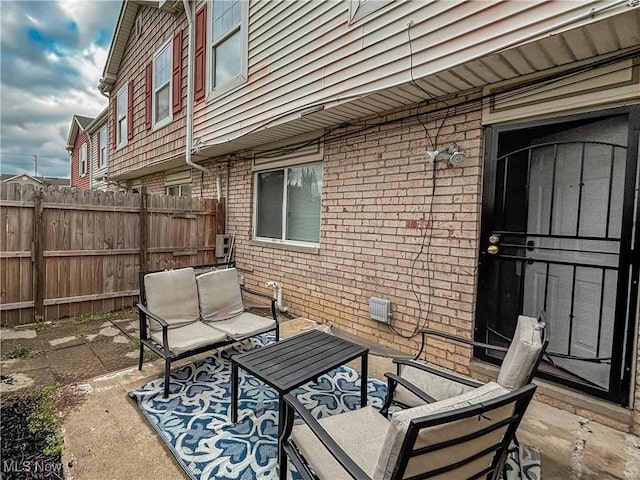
<point x="148" y="146"/>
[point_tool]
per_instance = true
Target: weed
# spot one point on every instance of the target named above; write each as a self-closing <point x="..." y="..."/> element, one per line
<point x="45" y="419"/>
<point x="147" y="355"/>
<point x="19" y="351"/>
<point x="91" y="317"/>
<point x="40" y="326"/>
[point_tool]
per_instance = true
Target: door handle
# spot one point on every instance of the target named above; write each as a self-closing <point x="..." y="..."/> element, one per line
<point x="493" y="249"/>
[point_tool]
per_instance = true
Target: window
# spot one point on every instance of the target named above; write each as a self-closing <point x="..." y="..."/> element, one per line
<point x="178" y="182"/>
<point x="121" y="117"/>
<point x="82" y="166"/>
<point x="287" y="204"/>
<point x="104" y="148"/>
<point x="182" y="190"/>
<point x="162" y="86"/>
<point x="228" y="41"/>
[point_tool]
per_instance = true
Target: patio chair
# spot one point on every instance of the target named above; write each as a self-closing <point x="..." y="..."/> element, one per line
<point x="462" y="437"/>
<point x="417" y="383"/>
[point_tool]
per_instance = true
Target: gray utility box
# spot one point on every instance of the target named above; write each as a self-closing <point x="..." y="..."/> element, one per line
<point x="380" y="309"/>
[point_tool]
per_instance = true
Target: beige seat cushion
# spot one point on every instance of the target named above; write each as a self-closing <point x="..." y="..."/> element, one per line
<point x="523" y="352"/>
<point x="428" y="436"/>
<point x="360" y="433"/>
<point x="188" y="337"/>
<point x="172" y="295"/>
<point x="244" y="325"/>
<point x="219" y="295"/>
<point x="436" y="386"/>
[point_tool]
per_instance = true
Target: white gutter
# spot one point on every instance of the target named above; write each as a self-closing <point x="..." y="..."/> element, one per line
<point x="190" y="72"/>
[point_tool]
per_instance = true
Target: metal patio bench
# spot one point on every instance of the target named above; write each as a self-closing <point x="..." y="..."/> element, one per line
<point x="183" y="314"/>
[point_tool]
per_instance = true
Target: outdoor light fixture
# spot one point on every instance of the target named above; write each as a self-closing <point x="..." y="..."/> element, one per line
<point x="450" y="155"/>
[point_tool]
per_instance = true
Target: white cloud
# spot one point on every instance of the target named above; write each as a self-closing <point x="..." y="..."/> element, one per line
<point x="52" y="57"/>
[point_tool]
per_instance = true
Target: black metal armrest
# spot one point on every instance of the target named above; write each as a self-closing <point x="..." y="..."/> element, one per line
<point x="456" y="338"/>
<point x="438" y="372"/>
<point x="159" y="320"/>
<point x="263" y="295"/>
<point x="421" y="394"/>
<point x="259" y="294"/>
<point x="163" y="323"/>
<point x="332" y="446"/>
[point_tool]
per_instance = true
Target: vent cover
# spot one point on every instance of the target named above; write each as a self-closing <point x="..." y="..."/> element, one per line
<point x="380" y="309"/>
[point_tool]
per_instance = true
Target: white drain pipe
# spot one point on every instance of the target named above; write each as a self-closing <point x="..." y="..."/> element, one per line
<point x="277" y="292"/>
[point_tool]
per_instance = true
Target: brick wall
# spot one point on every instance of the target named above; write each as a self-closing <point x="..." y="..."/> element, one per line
<point x="76" y="179"/>
<point x="376" y="194"/>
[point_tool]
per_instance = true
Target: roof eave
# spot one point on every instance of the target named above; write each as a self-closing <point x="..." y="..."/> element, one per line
<point x="99" y="121"/>
<point x="129" y="8"/>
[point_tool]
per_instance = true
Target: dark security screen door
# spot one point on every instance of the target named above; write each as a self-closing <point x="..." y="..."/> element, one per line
<point x="558" y="210"/>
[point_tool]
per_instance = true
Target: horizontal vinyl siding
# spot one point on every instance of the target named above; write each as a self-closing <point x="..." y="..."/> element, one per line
<point x="306" y="53"/>
<point x="148" y="146"/>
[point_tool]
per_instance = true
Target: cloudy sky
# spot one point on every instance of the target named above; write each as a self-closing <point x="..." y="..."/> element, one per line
<point x="51" y="57"/>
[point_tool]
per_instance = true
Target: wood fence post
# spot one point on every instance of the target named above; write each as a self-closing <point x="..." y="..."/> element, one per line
<point x="37" y="257"/>
<point x="220" y="216"/>
<point x="144" y="230"/>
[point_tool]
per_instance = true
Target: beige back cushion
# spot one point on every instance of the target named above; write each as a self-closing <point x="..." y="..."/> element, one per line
<point x="429" y="436"/>
<point x="219" y="294"/>
<point x="523" y="352"/>
<point x="435" y="385"/>
<point x="172" y="295"/>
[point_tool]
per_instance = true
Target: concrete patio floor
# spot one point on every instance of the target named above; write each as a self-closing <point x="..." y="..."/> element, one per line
<point x="106" y="437"/>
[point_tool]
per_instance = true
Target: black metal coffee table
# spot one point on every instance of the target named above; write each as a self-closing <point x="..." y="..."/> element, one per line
<point x="290" y="363"/>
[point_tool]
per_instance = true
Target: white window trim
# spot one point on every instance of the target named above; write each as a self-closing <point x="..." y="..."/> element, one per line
<point x="104" y="145"/>
<point x="180" y="187"/>
<point x="177" y="178"/>
<point x="359" y="9"/>
<point x="122" y="142"/>
<point x="169" y="118"/>
<point x="238" y="79"/>
<point x="280" y="241"/>
<point x="82" y="160"/>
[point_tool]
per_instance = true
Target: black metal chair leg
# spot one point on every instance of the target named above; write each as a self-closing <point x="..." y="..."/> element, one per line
<point x="141" y="357"/>
<point x="167" y="371"/>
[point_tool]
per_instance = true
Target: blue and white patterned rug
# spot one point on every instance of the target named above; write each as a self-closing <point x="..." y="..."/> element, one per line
<point x="194" y="419"/>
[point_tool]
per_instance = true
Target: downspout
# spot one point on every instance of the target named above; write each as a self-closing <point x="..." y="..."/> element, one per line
<point x="190" y="72"/>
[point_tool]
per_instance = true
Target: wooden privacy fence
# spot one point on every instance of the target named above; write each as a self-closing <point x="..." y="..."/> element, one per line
<point x="67" y="252"/>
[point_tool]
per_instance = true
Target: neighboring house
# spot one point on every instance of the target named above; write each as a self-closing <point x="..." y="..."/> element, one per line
<point x="98" y="131"/>
<point x="26" y="179"/>
<point x="88" y="147"/>
<point x="79" y="148"/>
<point x="319" y="123"/>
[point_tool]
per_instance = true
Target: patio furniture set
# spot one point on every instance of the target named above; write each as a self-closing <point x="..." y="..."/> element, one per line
<point x="447" y="427"/>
